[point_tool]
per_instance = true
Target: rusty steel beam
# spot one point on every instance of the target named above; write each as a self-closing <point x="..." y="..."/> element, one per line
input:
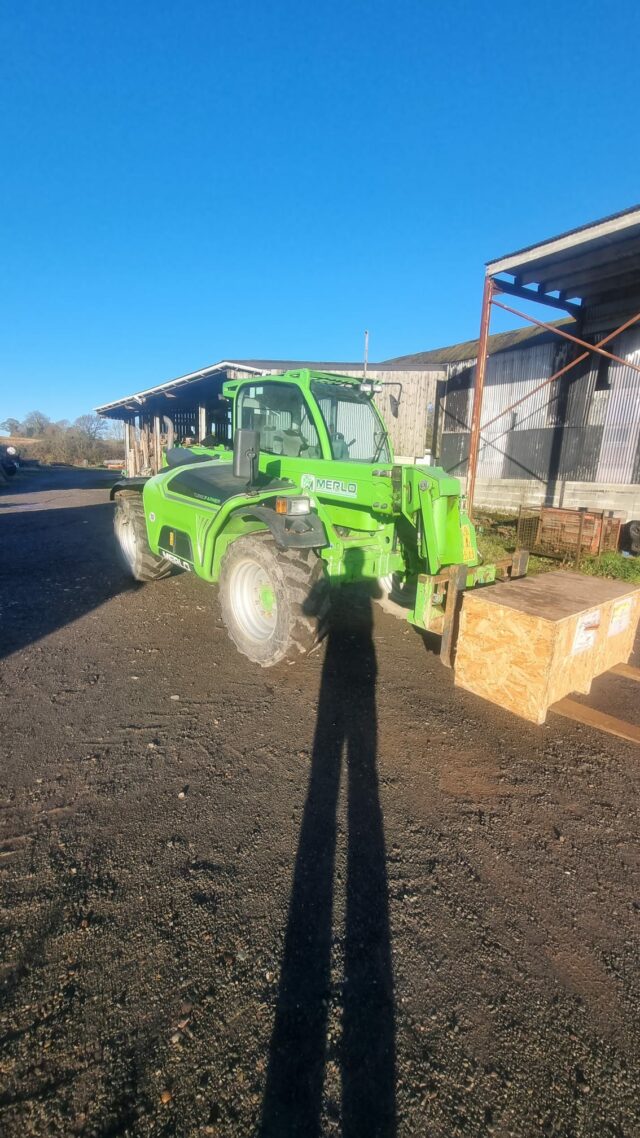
<point x="481" y="371"/>
<point x="567" y="336"/>
<point x="557" y="375"/>
<point x="537" y="297"/>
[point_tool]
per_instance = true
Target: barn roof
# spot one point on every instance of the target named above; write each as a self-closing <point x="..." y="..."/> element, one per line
<point x="196" y="379"/>
<point x="585" y="264"/>
<point x="468" y="349"/>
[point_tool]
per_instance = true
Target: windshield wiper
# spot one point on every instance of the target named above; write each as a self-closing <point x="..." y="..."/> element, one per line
<point x="384" y="437"/>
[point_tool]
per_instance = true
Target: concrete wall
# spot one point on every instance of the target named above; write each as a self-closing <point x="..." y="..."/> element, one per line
<point x="511" y="493"/>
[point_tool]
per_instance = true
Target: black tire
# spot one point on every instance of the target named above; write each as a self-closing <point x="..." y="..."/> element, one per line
<point x="131" y="534"/>
<point x="274" y="603"/>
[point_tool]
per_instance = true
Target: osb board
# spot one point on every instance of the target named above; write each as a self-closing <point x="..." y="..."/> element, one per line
<point x="527" y="643"/>
<point x="553" y="595"/>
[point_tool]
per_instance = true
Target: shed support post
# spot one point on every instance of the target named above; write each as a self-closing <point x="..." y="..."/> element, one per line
<point x="144" y="443"/>
<point x="157" y="443"/>
<point x="481" y="371"/>
<point x="127" y="448"/>
<point x="202" y="422"/>
<point x="135" y="446"/>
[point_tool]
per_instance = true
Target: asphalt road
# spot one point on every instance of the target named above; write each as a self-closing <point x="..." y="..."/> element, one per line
<point x="335" y="898"/>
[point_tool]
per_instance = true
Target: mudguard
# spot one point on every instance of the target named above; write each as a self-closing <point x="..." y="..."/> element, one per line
<point x="305" y="531"/>
<point x="136" y="484"/>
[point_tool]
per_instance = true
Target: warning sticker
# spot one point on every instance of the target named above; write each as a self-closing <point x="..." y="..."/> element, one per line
<point x="586" y="631"/>
<point x="620" y="616"/>
<point x="468" y="552"/>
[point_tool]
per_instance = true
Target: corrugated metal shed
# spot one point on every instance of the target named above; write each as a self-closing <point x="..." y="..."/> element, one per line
<point x="584" y="428"/>
<point x="621" y="426"/>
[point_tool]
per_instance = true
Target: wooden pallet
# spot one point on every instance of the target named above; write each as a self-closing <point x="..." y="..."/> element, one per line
<point x="582" y="713"/>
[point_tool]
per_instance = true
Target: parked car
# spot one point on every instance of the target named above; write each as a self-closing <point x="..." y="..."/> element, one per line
<point x="9" y="460"/>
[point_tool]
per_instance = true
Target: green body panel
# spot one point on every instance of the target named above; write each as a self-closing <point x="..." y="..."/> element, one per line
<point x="378" y="517"/>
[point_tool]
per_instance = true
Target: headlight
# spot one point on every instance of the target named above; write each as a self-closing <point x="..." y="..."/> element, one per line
<point x="294" y="507"/>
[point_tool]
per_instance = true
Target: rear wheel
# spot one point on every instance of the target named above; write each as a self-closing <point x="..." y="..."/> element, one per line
<point x="131" y="532"/>
<point x="273" y="602"/>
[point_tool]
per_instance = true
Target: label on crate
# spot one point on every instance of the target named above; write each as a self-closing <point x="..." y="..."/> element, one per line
<point x="620" y="616"/>
<point x="586" y="631"/>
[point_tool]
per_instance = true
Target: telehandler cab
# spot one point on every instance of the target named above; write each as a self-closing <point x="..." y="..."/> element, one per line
<point x="309" y="498"/>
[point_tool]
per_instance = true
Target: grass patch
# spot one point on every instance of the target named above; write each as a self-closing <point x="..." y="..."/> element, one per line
<point x="614" y="566"/>
<point x="497" y="539"/>
<point x="495" y="547"/>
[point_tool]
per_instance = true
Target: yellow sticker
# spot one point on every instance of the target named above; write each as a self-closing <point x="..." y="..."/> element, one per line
<point x="620" y="616"/>
<point x="468" y="553"/>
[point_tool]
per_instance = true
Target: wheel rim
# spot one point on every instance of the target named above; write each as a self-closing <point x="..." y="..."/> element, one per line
<point x="127" y="539"/>
<point x="398" y="590"/>
<point x="253" y="600"/>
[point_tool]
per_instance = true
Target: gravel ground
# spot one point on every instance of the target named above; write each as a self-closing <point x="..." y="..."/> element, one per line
<point x="335" y="898"/>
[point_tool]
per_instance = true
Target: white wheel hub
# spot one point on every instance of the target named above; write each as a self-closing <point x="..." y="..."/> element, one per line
<point x="253" y="599"/>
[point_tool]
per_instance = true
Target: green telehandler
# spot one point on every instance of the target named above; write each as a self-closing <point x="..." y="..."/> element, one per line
<point x="308" y="498"/>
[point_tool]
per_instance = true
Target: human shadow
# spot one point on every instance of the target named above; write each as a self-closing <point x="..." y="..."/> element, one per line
<point x="345" y="732"/>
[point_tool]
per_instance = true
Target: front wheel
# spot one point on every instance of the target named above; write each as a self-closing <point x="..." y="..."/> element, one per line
<point x="131" y="534"/>
<point x="396" y="595"/>
<point x="273" y="602"/>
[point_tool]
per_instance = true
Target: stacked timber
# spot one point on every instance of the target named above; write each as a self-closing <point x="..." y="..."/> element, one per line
<point x="526" y="644"/>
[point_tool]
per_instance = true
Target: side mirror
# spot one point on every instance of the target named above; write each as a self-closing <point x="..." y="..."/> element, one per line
<point x="246" y="449"/>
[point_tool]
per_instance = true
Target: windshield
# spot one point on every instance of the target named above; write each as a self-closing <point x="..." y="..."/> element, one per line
<point x="355" y="431"/>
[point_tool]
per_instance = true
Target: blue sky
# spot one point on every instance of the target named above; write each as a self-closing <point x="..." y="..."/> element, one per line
<point x="184" y="182"/>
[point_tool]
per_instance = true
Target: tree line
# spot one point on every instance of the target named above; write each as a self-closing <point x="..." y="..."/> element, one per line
<point x="88" y="439"/>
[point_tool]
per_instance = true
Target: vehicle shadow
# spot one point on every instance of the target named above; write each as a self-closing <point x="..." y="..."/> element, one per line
<point x="55" y="566"/>
<point x="32" y="479"/>
<point x="345" y="733"/>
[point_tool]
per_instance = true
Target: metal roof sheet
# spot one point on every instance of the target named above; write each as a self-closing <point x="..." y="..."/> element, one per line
<point x="169" y="385"/>
<point x="594" y="260"/>
<point x="260" y="367"/>
<point x="468" y="349"/>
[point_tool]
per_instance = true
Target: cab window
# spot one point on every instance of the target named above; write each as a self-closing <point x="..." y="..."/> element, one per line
<point x="279" y="412"/>
<point x="355" y="431"/>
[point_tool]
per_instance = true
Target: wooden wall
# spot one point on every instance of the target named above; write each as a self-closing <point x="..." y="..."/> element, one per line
<point x="407" y="423"/>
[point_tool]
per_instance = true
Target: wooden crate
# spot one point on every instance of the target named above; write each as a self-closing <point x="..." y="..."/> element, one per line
<point x="527" y="643"/>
